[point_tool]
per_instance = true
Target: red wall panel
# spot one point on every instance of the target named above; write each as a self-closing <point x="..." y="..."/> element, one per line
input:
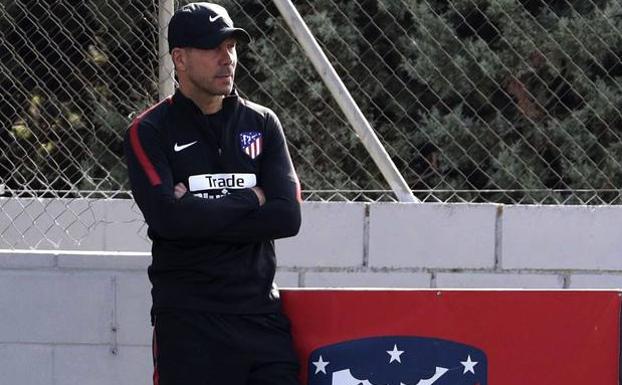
<point x="528" y="337"/>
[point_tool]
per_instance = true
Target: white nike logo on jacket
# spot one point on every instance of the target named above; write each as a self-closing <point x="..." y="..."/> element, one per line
<point x="178" y="148"/>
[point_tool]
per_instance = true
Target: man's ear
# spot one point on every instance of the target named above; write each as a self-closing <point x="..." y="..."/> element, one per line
<point x="178" y="56"/>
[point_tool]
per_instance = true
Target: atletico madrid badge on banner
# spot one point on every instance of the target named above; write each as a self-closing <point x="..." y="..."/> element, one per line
<point x="399" y="360"/>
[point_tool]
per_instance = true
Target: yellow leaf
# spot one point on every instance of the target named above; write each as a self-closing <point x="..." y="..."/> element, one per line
<point x="21" y="130"/>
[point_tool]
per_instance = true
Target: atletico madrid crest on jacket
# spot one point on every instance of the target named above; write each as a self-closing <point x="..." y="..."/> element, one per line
<point x="251" y="143"/>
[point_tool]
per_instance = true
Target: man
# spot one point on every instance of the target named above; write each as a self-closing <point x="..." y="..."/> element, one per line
<point x="212" y="175"/>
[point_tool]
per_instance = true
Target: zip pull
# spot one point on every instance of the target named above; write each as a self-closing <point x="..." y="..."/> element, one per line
<point x="219" y="151"/>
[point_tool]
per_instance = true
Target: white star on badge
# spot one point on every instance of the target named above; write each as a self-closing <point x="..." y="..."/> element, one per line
<point x="395" y="354"/>
<point x="468" y="365"/>
<point x="320" y="365"/>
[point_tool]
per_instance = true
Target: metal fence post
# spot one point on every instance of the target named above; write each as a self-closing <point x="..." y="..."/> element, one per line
<point x="346" y="102"/>
<point x="166" y="73"/>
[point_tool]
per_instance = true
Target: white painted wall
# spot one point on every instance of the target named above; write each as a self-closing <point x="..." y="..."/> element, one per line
<point x="80" y="317"/>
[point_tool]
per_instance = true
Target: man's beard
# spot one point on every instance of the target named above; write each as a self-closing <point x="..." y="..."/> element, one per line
<point x="211" y="89"/>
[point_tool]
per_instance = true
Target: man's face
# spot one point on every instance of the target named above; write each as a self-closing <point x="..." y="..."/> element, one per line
<point x="211" y="71"/>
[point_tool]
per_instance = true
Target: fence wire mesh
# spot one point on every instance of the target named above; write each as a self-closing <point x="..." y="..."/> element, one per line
<point x="501" y="101"/>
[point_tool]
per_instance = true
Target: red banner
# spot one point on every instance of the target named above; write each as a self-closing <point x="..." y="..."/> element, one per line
<point x="479" y="337"/>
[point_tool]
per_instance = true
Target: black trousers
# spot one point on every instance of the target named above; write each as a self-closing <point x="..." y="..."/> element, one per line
<point x="192" y="348"/>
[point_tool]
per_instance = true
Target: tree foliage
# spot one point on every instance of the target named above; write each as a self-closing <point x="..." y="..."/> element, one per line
<point x="479" y="100"/>
<point x="71" y="73"/>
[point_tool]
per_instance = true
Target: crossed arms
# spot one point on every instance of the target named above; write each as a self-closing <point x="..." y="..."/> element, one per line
<point x="265" y="212"/>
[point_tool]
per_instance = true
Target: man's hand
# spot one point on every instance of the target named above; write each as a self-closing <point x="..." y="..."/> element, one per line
<point x="260" y="195"/>
<point x="180" y="190"/>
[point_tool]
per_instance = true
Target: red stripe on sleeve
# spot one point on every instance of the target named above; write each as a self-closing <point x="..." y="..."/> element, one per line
<point x="142" y="157"/>
<point x="140" y="153"/>
<point x="298" y="189"/>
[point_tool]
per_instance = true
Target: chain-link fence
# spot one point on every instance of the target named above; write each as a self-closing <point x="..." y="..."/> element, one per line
<point x="502" y="101"/>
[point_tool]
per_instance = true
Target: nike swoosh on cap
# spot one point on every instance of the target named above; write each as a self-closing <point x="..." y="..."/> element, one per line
<point x="178" y="148"/>
<point x="213" y="19"/>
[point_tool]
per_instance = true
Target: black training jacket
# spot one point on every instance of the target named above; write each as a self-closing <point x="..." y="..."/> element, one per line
<point x="213" y="249"/>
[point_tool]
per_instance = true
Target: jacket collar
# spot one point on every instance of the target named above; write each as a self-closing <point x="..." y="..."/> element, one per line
<point x="228" y="103"/>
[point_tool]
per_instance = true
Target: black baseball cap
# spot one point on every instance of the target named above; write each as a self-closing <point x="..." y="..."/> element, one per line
<point x="202" y="25"/>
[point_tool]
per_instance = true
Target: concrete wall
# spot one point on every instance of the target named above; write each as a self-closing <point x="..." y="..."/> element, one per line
<point x="80" y="317"/>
